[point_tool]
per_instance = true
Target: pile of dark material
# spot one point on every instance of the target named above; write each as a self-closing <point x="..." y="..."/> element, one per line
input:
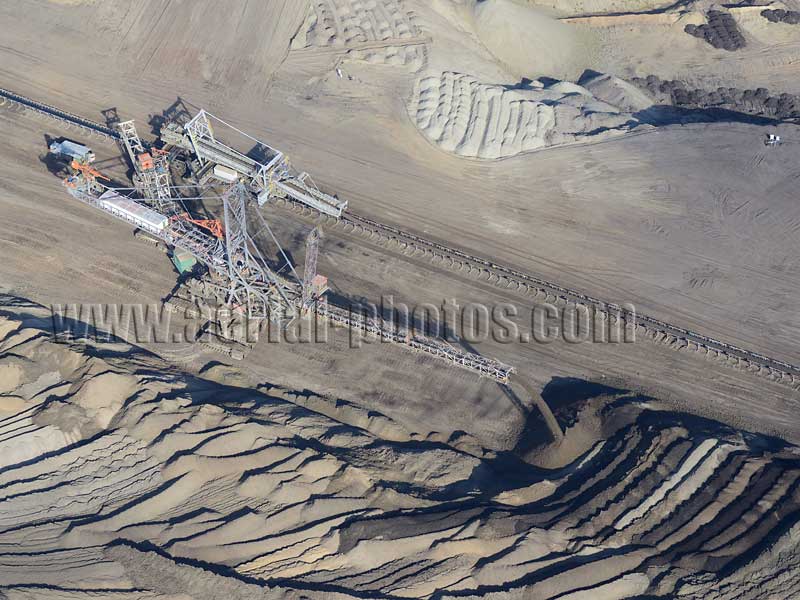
<point x="757" y="102"/>
<point x="721" y="31"/>
<point x="781" y="16"/>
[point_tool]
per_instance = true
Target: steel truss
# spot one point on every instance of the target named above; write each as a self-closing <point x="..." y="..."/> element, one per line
<point x="152" y="169"/>
<point x="244" y="281"/>
<point x="310" y="270"/>
<point x="241" y="277"/>
<point x="266" y="179"/>
<point x="252" y="283"/>
<point x="384" y="330"/>
<point x="209" y="149"/>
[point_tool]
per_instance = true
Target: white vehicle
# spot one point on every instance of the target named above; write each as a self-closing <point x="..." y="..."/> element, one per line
<point x="772" y="140"/>
<point x="72" y="151"/>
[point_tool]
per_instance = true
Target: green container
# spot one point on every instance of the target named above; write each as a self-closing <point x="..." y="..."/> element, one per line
<point x="184" y="261"/>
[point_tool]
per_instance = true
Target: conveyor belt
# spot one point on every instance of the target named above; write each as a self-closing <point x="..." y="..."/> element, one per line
<point x="653" y="326"/>
<point x="297" y="190"/>
<point x="221" y="154"/>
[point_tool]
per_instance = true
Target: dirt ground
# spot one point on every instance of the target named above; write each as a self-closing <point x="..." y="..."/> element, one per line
<point x="334" y="471"/>
<point x="423" y="395"/>
<point x="693" y="224"/>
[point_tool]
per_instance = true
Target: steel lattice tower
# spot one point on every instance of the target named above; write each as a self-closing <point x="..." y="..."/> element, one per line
<point x="152" y="169"/>
<point x="310" y="270"/>
<point x="252" y="284"/>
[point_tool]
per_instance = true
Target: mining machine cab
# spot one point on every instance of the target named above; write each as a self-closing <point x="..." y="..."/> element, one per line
<point x="772" y="140"/>
<point x="67" y="150"/>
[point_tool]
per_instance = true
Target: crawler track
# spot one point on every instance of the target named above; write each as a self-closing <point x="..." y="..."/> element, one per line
<point x="481" y="268"/>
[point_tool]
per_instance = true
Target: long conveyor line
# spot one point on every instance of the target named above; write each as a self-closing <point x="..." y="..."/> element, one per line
<point x="654" y="327"/>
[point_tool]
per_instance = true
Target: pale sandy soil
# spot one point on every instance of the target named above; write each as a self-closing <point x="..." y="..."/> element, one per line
<point x="443" y="400"/>
<point x="668" y="239"/>
<point x="346" y="490"/>
<point x="138" y="481"/>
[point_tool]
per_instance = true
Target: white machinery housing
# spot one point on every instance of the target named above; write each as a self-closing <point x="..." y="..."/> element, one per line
<point x="73" y="150"/>
<point x="130" y="210"/>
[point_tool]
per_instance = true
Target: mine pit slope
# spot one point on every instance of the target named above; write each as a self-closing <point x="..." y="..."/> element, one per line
<point x="122" y="476"/>
<point x="138" y="481"/>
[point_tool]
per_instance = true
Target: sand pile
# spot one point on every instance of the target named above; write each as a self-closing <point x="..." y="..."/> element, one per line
<point x="195" y="489"/>
<point x="529" y="43"/>
<point x="349" y="22"/>
<point x="483" y="101"/>
<point x="617" y="92"/>
<point x="376" y="32"/>
<point x="469" y="118"/>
